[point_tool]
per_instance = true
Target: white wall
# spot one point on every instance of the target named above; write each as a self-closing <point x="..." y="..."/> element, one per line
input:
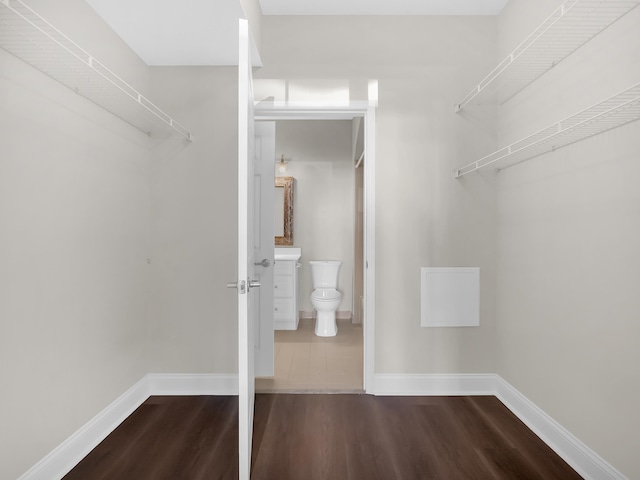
<point x="74" y="231"/>
<point x="320" y="161"/>
<point x="193" y="317"/>
<point x="568" y="236"/>
<point x="78" y="200"/>
<point x="424" y="217"/>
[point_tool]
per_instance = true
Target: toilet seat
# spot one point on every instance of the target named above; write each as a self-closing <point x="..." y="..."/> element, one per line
<point x="326" y="295"/>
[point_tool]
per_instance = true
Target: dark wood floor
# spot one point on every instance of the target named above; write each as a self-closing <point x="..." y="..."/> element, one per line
<point x="307" y="437"/>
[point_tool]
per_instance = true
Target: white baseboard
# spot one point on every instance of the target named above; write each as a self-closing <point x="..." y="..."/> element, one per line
<point x="192" y="384"/>
<point x="581" y="458"/>
<point x="340" y="315"/>
<point x="67" y="455"/>
<point x="433" y="384"/>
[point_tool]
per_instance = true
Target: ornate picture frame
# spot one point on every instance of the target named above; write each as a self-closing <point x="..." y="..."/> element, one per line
<point x="285" y="183"/>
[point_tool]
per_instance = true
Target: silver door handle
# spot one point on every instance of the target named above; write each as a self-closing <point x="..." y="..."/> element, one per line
<point x="254" y="284"/>
<point x="264" y="263"/>
<point x="241" y="286"/>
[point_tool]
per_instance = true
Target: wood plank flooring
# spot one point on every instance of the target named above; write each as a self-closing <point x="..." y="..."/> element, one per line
<point x="307" y="437"/>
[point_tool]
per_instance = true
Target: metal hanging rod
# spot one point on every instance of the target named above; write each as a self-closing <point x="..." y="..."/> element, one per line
<point x="28" y="36"/>
<point x="611" y="113"/>
<point x="571" y="25"/>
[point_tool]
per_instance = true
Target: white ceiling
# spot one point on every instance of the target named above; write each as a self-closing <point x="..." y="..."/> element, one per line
<point x="170" y="32"/>
<point x="382" y="7"/>
<point x="205" y="32"/>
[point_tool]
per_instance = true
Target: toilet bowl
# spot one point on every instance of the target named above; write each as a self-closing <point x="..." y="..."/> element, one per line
<point x="325" y="297"/>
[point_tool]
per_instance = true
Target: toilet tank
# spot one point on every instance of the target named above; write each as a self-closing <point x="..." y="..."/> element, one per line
<point x="324" y="273"/>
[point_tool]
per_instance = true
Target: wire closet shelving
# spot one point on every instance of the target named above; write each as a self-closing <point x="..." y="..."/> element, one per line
<point x="571" y="25"/>
<point x="611" y="113"/>
<point x="28" y="36"/>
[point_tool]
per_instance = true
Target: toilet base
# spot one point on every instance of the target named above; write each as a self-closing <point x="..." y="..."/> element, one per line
<point x="326" y="324"/>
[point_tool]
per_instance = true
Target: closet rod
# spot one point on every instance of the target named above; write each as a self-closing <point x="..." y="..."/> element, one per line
<point x="31" y="38"/>
<point x="613" y="112"/>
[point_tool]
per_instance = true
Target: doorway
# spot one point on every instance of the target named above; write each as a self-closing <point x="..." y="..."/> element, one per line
<point x="317" y="158"/>
<point x="363" y="302"/>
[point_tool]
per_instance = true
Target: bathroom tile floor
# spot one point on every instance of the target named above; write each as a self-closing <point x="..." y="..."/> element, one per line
<point x="307" y="363"/>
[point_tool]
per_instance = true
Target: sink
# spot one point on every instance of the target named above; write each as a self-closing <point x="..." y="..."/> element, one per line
<point x="287" y="253"/>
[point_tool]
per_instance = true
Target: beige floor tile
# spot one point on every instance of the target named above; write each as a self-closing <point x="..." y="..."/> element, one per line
<point x="306" y="362"/>
<point x="317" y="374"/>
<point x="298" y="375"/>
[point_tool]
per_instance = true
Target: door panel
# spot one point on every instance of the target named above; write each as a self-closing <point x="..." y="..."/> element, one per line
<point x="246" y="223"/>
<point x="265" y="152"/>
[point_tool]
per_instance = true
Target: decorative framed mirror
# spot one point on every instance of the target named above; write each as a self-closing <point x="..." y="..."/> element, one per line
<point x="284" y="211"/>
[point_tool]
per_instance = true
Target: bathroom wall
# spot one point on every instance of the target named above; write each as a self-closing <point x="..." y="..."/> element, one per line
<point x="319" y="154"/>
<point x="74" y="242"/>
<point x="424" y="217"/>
<point x="568" y="236"/>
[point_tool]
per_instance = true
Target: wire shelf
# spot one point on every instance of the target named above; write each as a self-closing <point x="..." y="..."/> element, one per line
<point x="613" y="112"/>
<point x="31" y="38"/>
<point x="571" y="25"/>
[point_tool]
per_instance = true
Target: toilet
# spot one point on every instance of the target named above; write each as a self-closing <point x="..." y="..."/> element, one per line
<point x="325" y="297"/>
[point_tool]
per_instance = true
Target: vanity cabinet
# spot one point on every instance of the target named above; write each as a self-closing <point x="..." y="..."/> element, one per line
<point x="285" y="288"/>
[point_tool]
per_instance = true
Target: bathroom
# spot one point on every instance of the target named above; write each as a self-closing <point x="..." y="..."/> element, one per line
<point x="321" y="156"/>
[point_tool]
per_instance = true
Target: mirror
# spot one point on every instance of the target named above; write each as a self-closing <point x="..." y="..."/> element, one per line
<point x="284" y="211"/>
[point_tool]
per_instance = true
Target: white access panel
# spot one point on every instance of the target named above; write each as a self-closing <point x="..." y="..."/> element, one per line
<point x="450" y="296"/>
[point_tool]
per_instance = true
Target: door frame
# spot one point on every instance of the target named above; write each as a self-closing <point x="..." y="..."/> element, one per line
<point x="266" y="111"/>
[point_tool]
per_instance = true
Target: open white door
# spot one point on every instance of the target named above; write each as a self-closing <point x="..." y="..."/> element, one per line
<point x="264" y="194"/>
<point x="246" y="284"/>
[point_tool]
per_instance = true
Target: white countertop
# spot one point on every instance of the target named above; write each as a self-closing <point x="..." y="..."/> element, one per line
<point x="287" y="253"/>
